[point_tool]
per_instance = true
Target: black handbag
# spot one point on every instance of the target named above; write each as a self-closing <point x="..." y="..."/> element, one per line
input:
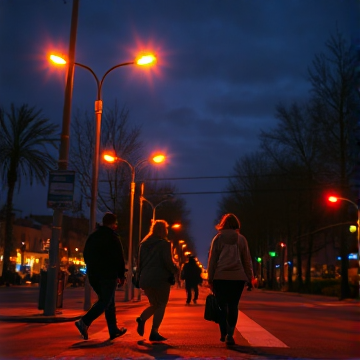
<point x="171" y="279"/>
<point x="212" y="310"/>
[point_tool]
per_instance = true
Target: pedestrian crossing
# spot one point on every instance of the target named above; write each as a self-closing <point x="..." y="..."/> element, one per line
<point x="256" y="335"/>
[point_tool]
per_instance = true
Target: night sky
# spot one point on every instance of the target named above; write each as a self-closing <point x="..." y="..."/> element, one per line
<point x="223" y="66"/>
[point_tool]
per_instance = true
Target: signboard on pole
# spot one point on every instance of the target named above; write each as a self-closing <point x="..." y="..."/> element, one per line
<point x="61" y="189"/>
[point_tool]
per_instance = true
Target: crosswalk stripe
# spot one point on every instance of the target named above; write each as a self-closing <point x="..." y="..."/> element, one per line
<point x="256" y="335"/>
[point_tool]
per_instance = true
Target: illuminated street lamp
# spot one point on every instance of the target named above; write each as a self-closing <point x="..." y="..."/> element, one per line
<point x="334" y="199"/>
<point x="112" y="159"/>
<point x="142" y="60"/>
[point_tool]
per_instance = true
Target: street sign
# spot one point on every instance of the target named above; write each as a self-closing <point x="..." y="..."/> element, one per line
<point x="61" y="189"/>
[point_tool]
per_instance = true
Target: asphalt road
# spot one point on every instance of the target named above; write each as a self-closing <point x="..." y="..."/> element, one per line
<point x="271" y="326"/>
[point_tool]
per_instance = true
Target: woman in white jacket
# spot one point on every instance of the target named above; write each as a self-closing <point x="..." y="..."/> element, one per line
<point x="229" y="268"/>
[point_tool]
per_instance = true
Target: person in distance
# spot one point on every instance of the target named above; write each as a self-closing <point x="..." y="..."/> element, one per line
<point x="191" y="273"/>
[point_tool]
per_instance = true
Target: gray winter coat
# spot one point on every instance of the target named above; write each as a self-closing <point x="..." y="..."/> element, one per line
<point x="229" y="257"/>
<point x="155" y="264"/>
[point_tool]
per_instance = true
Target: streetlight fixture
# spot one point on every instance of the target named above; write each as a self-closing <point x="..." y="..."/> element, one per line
<point x="334" y="199"/>
<point x="112" y="159"/>
<point x="147" y="59"/>
<point x="153" y="207"/>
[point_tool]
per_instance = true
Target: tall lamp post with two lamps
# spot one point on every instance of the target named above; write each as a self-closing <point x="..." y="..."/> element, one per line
<point x="143" y="60"/>
<point x="111" y="159"/>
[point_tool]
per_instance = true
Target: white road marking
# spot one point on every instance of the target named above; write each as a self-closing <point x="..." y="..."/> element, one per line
<point x="255" y="334"/>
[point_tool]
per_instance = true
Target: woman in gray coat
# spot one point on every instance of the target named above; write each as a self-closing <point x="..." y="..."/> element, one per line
<point x="229" y="268"/>
<point x="155" y="269"/>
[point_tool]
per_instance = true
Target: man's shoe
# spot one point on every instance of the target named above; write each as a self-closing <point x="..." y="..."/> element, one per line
<point x="83" y="329"/>
<point x="155" y="336"/>
<point x="229" y="340"/>
<point x="141" y="326"/>
<point x="117" y="333"/>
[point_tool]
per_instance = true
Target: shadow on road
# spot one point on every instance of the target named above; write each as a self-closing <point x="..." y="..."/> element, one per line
<point x="91" y="344"/>
<point x="157" y="350"/>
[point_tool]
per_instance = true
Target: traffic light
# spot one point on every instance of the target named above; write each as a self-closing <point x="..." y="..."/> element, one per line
<point x="272" y="253"/>
<point x="258" y="259"/>
<point x="352" y="228"/>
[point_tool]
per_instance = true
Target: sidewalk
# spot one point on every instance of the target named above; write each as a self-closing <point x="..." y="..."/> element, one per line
<point x="31" y="314"/>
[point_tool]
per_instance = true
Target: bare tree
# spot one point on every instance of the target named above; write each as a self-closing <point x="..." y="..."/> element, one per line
<point x="334" y="81"/>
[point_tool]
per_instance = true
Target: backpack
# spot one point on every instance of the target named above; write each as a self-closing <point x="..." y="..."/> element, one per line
<point x="229" y="259"/>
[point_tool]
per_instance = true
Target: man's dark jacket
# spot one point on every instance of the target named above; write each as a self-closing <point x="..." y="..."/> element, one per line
<point x="191" y="273"/>
<point x="104" y="255"/>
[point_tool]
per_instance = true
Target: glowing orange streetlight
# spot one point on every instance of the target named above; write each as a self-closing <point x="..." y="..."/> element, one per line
<point x="147" y="59"/>
<point x="112" y="159"/>
<point x="176" y="226"/>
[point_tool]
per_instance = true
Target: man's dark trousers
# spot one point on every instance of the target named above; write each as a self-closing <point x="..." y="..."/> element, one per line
<point x="105" y="290"/>
<point x="188" y="288"/>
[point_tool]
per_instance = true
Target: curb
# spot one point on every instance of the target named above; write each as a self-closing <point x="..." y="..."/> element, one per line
<point x="38" y="318"/>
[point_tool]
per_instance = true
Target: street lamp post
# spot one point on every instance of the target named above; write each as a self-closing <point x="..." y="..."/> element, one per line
<point x="156" y="159"/>
<point x="144" y="60"/>
<point x="153" y="207"/>
<point x="335" y="199"/>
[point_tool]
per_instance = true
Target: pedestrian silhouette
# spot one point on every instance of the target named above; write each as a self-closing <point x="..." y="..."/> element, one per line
<point x="191" y="274"/>
<point x="229" y="269"/>
<point x="105" y="267"/>
<point x="155" y="270"/>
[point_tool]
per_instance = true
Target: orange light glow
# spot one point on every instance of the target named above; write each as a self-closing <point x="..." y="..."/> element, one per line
<point x="109" y="158"/>
<point x="158" y="158"/>
<point x="57" y="59"/>
<point x="333" y="199"/>
<point x="176" y="226"/>
<point x="146" y="60"/>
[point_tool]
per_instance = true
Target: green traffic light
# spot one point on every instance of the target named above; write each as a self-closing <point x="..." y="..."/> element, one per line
<point x="272" y="253"/>
<point x="258" y="259"/>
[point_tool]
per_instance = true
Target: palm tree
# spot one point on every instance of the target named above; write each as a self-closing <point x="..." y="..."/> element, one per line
<point x="24" y="136"/>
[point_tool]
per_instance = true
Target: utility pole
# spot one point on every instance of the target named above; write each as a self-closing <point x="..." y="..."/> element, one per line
<point x="53" y="270"/>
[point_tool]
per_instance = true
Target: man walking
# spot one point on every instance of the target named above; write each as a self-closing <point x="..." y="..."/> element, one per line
<point x="105" y="267"/>
<point x="191" y="273"/>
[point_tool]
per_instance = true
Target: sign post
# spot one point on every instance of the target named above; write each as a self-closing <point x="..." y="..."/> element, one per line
<point x="61" y="189"/>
